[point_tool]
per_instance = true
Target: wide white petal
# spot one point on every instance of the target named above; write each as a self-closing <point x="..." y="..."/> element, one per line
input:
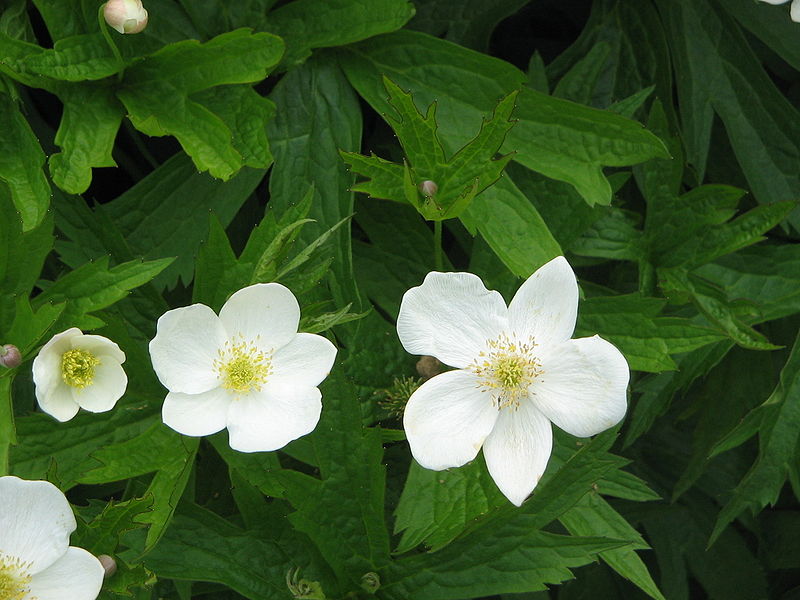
<point x="447" y="420"/>
<point x="265" y="313"/>
<point x="77" y="575"/>
<point x="197" y="414"/>
<point x="518" y="449"/>
<point x="775" y="1"/>
<point x="107" y="387"/>
<point x="545" y="307"/>
<point x="307" y="359"/>
<point x="47" y="364"/>
<point x="58" y="401"/>
<point x="35" y="522"/>
<point x="274" y="416"/>
<point x="450" y="316"/>
<point x="795" y="11"/>
<point x="583" y="386"/>
<point x="186" y="345"/>
<point x="99" y="346"/>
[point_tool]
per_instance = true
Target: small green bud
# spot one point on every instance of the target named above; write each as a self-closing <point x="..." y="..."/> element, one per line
<point x="370" y="582"/>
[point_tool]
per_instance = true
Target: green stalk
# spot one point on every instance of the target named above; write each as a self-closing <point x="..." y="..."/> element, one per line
<point x="110" y="41"/>
<point x="437" y="245"/>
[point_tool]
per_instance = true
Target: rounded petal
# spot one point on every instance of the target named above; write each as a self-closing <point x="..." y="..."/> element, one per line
<point x="583" y="386"/>
<point x="197" y="414"/>
<point x="775" y="1"/>
<point x="99" y="346"/>
<point x="307" y="359"/>
<point x="186" y="345"/>
<point x="35" y="522"/>
<point x="518" y="449"/>
<point x="77" y="575"/>
<point x="450" y="317"/>
<point x="47" y="364"/>
<point x="107" y="387"/>
<point x="794" y="12"/>
<point x="545" y="307"/>
<point x="274" y="416"/>
<point x="266" y="313"/>
<point x="58" y="402"/>
<point x="447" y="420"/>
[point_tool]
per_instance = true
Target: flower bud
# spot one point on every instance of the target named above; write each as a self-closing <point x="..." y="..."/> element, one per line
<point x="428" y="366"/>
<point x="109" y="565"/>
<point x="428" y="188"/>
<point x="370" y="582"/>
<point x="126" y="16"/>
<point x="10" y="356"/>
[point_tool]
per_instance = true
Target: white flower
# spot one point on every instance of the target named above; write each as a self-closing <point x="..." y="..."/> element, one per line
<point x="126" y="16"/>
<point x="36" y="560"/>
<point x="516" y="371"/>
<point x="794" y="11"/>
<point x="247" y="369"/>
<point x="74" y="371"/>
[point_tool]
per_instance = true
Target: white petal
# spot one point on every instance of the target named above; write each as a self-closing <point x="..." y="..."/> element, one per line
<point x="58" y="402"/>
<point x="77" y="575"/>
<point x="197" y="414"/>
<point x="35" y="522"/>
<point x="775" y="1"/>
<point x="267" y="311"/>
<point x="307" y="359"/>
<point x="107" y="387"/>
<point x="447" y="419"/>
<point x="186" y="345"/>
<point x="546" y="306"/>
<point x="582" y="388"/>
<point x="271" y="418"/>
<point x="450" y="316"/>
<point x="518" y="449"/>
<point x="47" y="364"/>
<point x="795" y="11"/>
<point x="99" y="346"/>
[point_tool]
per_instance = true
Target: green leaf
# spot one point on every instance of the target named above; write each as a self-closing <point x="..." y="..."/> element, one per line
<point x="614" y="235"/>
<point x="156" y="92"/>
<point x="631" y="322"/>
<point x="351" y="535"/>
<point x="778" y="435"/>
<point x="557" y="138"/>
<point x="86" y="134"/>
<point x="101" y="533"/>
<point x="76" y="58"/>
<point x="94" y="286"/>
<point x="309" y="24"/>
<point x="458" y="179"/>
<point x="21" y="168"/>
<point x="593" y="516"/>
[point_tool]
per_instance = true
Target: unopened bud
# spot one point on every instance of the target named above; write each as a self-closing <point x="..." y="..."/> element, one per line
<point x="428" y="366"/>
<point x="126" y="16"/>
<point x="370" y="582"/>
<point x="10" y="356"/>
<point x="109" y="565"/>
<point x="428" y="188"/>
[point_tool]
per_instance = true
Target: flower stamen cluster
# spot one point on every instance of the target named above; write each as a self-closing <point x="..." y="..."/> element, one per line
<point x="506" y="369"/>
<point x="77" y="368"/>
<point x="14" y="578"/>
<point x="242" y="367"/>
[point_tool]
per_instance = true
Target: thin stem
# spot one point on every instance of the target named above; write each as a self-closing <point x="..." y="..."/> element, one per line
<point x="104" y="30"/>
<point x="437" y="245"/>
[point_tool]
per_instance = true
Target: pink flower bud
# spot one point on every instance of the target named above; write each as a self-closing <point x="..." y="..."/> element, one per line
<point x="10" y="356"/>
<point x="126" y="16"/>
<point x="109" y="565"/>
<point x="428" y="188"/>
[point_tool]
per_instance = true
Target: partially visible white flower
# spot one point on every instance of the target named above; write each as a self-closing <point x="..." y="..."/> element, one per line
<point x="247" y="369"/>
<point x="516" y="371"/>
<point x="794" y="11"/>
<point x="126" y="16"/>
<point x="36" y="560"/>
<point x="75" y="371"/>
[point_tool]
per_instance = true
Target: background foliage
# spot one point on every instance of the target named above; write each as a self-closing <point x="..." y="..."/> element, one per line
<point x="654" y="143"/>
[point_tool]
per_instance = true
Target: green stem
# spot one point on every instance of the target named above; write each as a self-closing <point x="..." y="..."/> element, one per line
<point x="437" y="245"/>
<point x="110" y="41"/>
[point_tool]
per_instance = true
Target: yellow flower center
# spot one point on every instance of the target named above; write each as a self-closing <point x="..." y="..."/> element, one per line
<point x="14" y="578"/>
<point x="506" y="369"/>
<point x="77" y="368"/>
<point x="242" y="367"/>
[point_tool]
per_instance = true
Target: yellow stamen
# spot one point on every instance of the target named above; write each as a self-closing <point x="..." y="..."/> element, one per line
<point x="506" y="369"/>
<point x="242" y="367"/>
<point x="77" y="368"/>
<point x="14" y="578"/>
